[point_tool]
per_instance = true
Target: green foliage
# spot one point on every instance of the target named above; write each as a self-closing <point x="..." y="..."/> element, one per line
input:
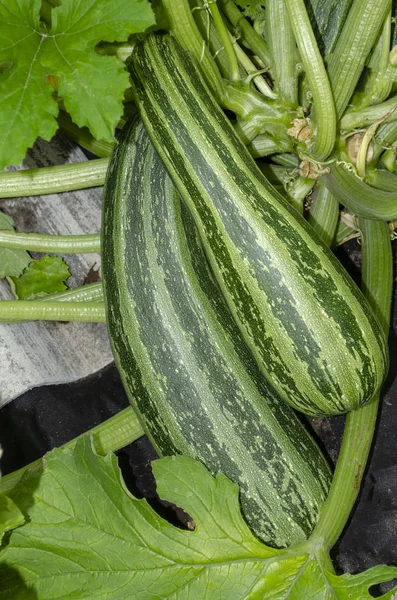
<point x="44" y="276"/>
<point x="254" y="9"/>
<point x="85" y="536"/>
<point x="38" y="59"/>
<point x="12" y="261"/>
<point x="10" y="515"/>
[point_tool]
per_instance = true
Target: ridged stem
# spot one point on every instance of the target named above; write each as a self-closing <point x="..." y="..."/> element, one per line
<point x="58" y="244"/>
<point x="379" y="82"/>
<point x="184" y="28"/>
<point x="358" y="36"/>
<point x="360" y="198"/>
<point x="90" y="292"/>
<point x="324" y="117"/>
<point x="52" y="180"/>
<point x="324" y="213"/>
<point x="251" y="38"/>
<point x="377" y="277"/>
<point x="109" y="436"/>
<point x="370" y="114"/>
<point x="227" y="43"/>
<point x="263" y="145"/>
<point x="12" y="311"/>
<point x="282" y="44"/>
<point x="260" y="83"/>
<point x="383" y="180"/>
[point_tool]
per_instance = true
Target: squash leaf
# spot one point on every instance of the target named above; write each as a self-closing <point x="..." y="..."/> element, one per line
<point x="40" y="59"/>
<point x="85" y="536"/>
<point x="12" y="261"/>
<point x="41" y="277"/>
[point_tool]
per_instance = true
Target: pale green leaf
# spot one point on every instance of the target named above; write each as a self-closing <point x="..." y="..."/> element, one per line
<point x="86" y="537"/>
<point x="44" y="276"/>
<point x="35" y="61"/>
<point x="10" y="515"/>
<point x="12" y="261"/>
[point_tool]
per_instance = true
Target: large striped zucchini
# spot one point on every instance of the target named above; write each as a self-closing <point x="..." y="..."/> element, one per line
<point x="309" y="327"/>
<point x="183" y="361"/>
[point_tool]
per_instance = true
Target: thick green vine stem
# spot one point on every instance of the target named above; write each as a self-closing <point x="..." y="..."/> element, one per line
<point x="184" y="28"/>
<point x="90" y="292"/>
<point x="12" y="311"/>
<point x="52" y="180"/>
<point x="57" y="244"/>
<point x="358" y="37"/>
<point x="226" y="40"/>
<point x="251" y="38"/>
<point x="379" y="82"/>
<point x="324" y="213"/>
<point x="358" y="119"/>
<point x="324" y="117"/>
<point x="282" y="43"/>
<point x="110" y="436"/>
<point x="377" y="277"/>
<point x="360" y="198"/>
<point x="237" y="96"/>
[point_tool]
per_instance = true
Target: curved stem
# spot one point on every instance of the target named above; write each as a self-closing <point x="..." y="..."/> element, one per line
<point x="12" y="311"/>
<point x="282" y="44"/>
<point x="324" y="213"/>
<point x="360" y="198"/>
<point x="109" y="436"/>
<point x="377" y="279"/>
<point x="225" y="37"/>
<point x="90" y="292"/>
<point x="325" y="116"/>
<point x="251" y="38"/>
<point x="358" y="36"/>
<point x="370" y="114"/>
<point x="184" y="28"/>
<point x="57" y="244"/>
<point x="259" y="81"/>
<point x="51" y="180"/>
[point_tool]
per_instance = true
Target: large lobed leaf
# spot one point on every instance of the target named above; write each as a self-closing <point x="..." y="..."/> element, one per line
<point x="34" y="62"/>
<point x="85" y="536"/>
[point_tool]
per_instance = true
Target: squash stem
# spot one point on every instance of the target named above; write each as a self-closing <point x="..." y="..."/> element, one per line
<point x="52" y="180"/>
<point x="12" y="311"/>
<point x="324" y="116"/>
<point x="377" y="279"/>
<point x="251" y="38"/>
<point x="58" y="244"/>
<point x="109" y="436"/>
<point x="90" y="292"/>
<point x="227" y="43"/>
<point x="324" y="213"/>
<point x="282" y="43"/>
<point x="358" y="36"/>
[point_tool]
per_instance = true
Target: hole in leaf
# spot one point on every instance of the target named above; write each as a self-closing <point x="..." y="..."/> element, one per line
<point x="378" y="590"/>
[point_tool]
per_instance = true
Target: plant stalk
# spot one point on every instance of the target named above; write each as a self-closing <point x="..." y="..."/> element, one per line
<point x="324" y="117"/>
<point x="358" y="37"/>
<point x="109" y="436"/>
<point x="377" y="277"/>
<point x="52" y="180"/>
<point x="12" y="311"/>
<point x="53" y="244"/>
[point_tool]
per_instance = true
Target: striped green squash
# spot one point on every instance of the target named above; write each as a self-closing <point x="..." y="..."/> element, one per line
<point x="188" y="372"/>
<point x="309" y="327"/>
